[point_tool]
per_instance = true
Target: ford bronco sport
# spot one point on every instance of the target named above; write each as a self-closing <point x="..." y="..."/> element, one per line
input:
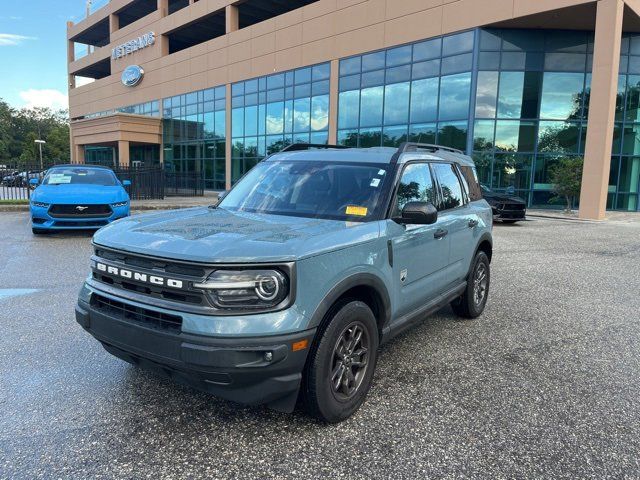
<point x="286" y="288"/>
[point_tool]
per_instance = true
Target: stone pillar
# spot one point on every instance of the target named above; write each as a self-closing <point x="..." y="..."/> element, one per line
<point x="123" y="153"/>
<point x="232" y="18"/>
<point x="602" y="104"/>
<point x="333" y="102"/>
<point x="78" y="154"/>
<point x="114" y="23"/>
<point x="228" y="142"/>
<point x="163" y="7"/>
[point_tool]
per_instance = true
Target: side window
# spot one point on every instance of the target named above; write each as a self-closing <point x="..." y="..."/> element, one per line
<point x="449" y="185"/>
<point x="415" y="185"/>
<point x="471" y="177"/>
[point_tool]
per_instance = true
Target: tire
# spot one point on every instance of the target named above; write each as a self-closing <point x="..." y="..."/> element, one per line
<point x="38" y="231"/>
<point x="470" y="305"/>
<point x="321" y="398"/>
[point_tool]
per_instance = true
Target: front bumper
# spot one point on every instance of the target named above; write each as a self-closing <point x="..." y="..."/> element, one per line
<point x="233" y="368"/>
<point x="509" y="214"/>
<point x="41" y="219"/>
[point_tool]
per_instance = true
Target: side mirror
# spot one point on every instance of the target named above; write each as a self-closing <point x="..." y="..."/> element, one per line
<point x="419" y="213"/>
<point x="221" y="195"/>
<point x="34" y="181"/>
<point x="126" y="183"/>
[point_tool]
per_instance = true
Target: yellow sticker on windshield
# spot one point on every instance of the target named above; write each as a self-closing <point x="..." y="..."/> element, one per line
<point x="359" y="211"/>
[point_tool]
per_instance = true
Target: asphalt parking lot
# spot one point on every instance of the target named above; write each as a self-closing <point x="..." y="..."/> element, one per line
<point x="546" y="384"/>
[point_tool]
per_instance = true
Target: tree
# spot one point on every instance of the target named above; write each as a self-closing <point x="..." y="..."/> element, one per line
<point x="566" y="178"/>
<point x="19" y="129"/>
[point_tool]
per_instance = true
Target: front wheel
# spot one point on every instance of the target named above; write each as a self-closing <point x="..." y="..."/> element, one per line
<point x="340" y="368"/>
<point x="472" y="302"/>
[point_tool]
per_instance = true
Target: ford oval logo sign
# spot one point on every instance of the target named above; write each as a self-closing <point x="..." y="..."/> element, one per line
<point x="132" y="76"/>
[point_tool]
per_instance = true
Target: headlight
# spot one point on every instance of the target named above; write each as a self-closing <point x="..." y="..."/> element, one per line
<point x="120" y="204"/>
<point x="40" y="204"/>
<point x="246" y="289"/>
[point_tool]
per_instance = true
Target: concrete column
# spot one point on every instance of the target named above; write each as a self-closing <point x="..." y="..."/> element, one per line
<point x="114" y="23"/>
<point x="163" y="7"/>
<point x="228" y="141"/>
<point x="602" y="104"/>
<point x="77" y="154"/>
<point x="232" y="18"/>
<point x="123" y="153"/>
<point x="163" y="44"/>
<point x="333" y="102"/>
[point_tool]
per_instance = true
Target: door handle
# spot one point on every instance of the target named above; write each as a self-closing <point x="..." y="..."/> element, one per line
<point x="440" y="233"/>
<point x="473" y="223"/>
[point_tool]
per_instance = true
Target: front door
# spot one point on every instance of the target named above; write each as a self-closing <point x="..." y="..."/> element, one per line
<point x="420" y="252"/>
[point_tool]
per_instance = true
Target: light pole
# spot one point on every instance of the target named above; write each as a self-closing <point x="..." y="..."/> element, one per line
<point x="40" y="143"/>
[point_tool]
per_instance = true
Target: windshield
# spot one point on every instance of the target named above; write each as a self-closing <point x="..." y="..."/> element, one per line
<point x="80" y="176"/>
<point x="336" y="191"/>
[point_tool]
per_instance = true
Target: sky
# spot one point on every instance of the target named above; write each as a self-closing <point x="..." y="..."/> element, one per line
<point x="33" y="51"/>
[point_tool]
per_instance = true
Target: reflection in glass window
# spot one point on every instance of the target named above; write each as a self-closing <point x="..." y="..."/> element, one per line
<point x="449" y="185"/>
<point x="512" y="171"/>
<point x="349" y="109"/>
<point x="454" y="96"/>
<point x="562" y="95"/>
<point x="483" y="134"/>
<point x="416" y="185"/>
<point x="515" y="136"/>
<point x="424" y="100"/>
<point x="453" y="134"/>
<point x="371" y="106"/>
<point x="558" y="137"/>
<point x="396" y="104"/>
<point x="275" y="111"/>
<point x="486" y="94"/>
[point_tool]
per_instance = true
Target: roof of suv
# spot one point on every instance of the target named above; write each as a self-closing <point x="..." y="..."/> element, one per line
<point x="382" y="155"/>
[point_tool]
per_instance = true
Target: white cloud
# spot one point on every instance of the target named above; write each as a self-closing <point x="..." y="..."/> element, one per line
<point x="11" y="39"/>
<point x="50" y="98"/>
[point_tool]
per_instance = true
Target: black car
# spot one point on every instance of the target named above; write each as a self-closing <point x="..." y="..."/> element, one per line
<point x="507" y="208"/>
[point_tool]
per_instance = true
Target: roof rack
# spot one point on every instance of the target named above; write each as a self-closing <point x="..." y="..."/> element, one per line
<point x="294" y="147"/>
<point x="414" y="147"/>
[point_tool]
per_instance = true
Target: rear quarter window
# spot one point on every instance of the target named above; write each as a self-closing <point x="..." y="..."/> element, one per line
<point x="471" y="178"/>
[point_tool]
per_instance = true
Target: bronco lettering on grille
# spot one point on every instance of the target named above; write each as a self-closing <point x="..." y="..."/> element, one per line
<point x="139" y="277"/>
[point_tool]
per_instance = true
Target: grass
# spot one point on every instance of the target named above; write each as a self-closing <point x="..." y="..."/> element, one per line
<point x="22" y="201"/>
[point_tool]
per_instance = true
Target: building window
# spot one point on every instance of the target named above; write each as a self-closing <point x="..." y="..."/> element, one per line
<point x="269" y="113"/>
<point x="194" y="134"/>
<point x="418" y="92"/>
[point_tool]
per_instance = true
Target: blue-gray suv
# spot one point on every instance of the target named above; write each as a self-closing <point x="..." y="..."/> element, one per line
<point x="284" y="290"/>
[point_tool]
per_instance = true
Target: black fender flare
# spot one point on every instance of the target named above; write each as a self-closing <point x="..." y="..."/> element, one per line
<point x="486" y="236"/>
<point x="362" y="279"/>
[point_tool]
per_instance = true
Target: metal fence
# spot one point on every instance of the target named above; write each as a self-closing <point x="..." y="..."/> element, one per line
<point x="147" y="182"/>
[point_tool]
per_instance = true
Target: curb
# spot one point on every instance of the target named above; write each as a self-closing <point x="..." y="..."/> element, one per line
<point x="558" y="217"/>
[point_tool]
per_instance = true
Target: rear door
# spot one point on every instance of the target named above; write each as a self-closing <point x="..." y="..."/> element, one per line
<point x="420" y="252"/>
<point x="460" y="218"/>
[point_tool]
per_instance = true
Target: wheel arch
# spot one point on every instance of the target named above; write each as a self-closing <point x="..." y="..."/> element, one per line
<point x="365" y="287"/>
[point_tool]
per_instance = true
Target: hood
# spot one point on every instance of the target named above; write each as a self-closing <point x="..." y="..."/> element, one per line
<point x="493" y="197"/>
<point x="214" y="235"/>
<point x="89" y="194"/>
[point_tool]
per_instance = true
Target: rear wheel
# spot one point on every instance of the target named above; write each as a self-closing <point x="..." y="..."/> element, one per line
<point x="340" y="368"/>
<point x="472" y="302"/>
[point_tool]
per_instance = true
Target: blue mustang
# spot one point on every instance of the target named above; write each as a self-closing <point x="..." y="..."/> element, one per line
<point x="77" y="197"/>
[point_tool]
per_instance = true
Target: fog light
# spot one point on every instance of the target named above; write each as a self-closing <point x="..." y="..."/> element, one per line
<point x="268" y="356"/>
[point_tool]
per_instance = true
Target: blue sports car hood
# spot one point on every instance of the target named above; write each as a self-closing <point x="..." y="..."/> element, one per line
<point x="87" y="194"/>
<point x="220" y="236"/>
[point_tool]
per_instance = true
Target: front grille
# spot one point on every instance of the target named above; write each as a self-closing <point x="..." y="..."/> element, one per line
<point x="156" y="264"/>
<point x="166" y="269"/>
<point x="80" y="210"/>
<point x="94" y="223"/>
<point x="130" y="313"/>
<point x="513" y="207"/>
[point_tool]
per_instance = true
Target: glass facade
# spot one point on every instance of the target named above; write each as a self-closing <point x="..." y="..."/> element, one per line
<point x="419" y="92"/>
<point x="269" y="113"/>
<point x="516" y="100"/>
<point x="149" y="109"/>
<point x="194" y="134"/>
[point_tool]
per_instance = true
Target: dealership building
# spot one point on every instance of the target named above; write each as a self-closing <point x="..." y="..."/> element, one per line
<point x="213" y="86"/>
